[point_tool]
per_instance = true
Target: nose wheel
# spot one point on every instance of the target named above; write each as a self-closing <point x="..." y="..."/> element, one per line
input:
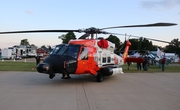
<point x="51" y="73"/>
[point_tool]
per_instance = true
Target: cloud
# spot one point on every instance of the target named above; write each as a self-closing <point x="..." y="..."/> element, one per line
<point x="29" y="12"/>
<point x="166" y="4"/>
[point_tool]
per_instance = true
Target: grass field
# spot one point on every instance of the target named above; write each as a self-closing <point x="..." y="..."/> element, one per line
<point x="17" y="66"/>
<point x="31" y="66"/>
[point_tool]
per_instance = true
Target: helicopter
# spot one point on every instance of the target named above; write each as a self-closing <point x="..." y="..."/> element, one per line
<point x="86" y="55"/>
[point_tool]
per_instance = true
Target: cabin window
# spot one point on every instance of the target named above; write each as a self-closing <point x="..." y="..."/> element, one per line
<point x="108" y="59"/>
<point x="84" y="54"/>
<point x="104" y="60"/>
<point x="112" y="59"/>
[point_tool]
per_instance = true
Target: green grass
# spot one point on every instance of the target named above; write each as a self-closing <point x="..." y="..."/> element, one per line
<point x="27" y="66"/>
<point x="17" y="66"/>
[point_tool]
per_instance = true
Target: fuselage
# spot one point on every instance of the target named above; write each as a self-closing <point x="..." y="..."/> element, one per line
<point x="80" y="56"/>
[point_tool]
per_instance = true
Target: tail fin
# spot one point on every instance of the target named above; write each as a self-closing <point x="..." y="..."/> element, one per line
<point x="125" y="54"/>
<point x="160" y="54"/>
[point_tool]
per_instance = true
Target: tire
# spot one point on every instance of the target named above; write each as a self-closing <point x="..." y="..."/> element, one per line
<point x="51" y="76"/>
<point x="51" y="73"/>
<point x="100" y="77"/>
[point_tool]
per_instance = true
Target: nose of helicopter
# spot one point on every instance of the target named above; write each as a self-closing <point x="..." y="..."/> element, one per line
<point x="43" y="68"/>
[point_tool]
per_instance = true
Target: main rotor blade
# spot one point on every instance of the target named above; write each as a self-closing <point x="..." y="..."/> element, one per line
<point x="158" y="40"/>
<point x="151" y="39"/>
<point x="140" y="37"/>
<point x="145" y="25"/>
<point x="39" y="31"/>
<point x="84" y="36"/>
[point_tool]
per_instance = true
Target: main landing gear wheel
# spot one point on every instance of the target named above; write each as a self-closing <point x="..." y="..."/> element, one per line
<point x="65" y="76"/>
<point x="100" y="77"/>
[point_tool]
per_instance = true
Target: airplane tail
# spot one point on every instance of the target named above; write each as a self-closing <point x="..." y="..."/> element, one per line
<point x="158" y="52"/>
<point x="125" y="54"/>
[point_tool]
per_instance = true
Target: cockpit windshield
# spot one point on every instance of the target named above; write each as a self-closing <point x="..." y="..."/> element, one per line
<point x="56" y="49"/>
<point x="68" y="50"/>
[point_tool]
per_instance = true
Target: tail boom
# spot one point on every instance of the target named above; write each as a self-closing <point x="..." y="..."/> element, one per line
<point x="125" y="54"/>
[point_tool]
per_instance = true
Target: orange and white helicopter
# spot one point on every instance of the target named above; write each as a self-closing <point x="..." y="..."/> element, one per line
<point x="85" y="55"/>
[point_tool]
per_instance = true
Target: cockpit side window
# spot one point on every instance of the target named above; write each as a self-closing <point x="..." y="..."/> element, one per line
<point x="84" y="54"/>
<point x="73" y="51"/>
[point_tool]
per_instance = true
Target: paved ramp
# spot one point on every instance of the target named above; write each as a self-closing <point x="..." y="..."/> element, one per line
<point x="131" y="91"/>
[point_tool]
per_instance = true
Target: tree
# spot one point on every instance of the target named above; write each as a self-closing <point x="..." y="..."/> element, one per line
<point x="24" y="42"/>
<point x="173" y="47"/>
<point x="115" y="40"/>
<point x="47" y="48"/>
<point x="141" y="44"/>
<point x="32" y="45"/>
<point x="135" y="44"/>
<point x="67" y="37"/>
<point x="44" y="47"/>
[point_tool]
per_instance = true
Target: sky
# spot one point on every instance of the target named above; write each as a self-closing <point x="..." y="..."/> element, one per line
<point x="20" y="15"/>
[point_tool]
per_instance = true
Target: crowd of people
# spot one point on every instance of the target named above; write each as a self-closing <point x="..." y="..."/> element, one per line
<point x="145" y="64"/>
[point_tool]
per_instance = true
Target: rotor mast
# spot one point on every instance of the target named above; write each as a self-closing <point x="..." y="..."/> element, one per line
<point x="92" y="35"/>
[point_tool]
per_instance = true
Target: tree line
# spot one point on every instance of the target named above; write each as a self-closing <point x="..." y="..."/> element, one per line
<point x="136" y="44"/>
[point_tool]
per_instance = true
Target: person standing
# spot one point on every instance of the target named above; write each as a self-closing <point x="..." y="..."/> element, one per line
<point x="38" y="58"/>
<point x="139" y="65"/>
<point x="129" y="64"/>
<point x="163" y="63"/>
<point x="145" y="63"/>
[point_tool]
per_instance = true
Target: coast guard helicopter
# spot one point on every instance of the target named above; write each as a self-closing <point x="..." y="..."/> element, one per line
<point x="86" y="55"/>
